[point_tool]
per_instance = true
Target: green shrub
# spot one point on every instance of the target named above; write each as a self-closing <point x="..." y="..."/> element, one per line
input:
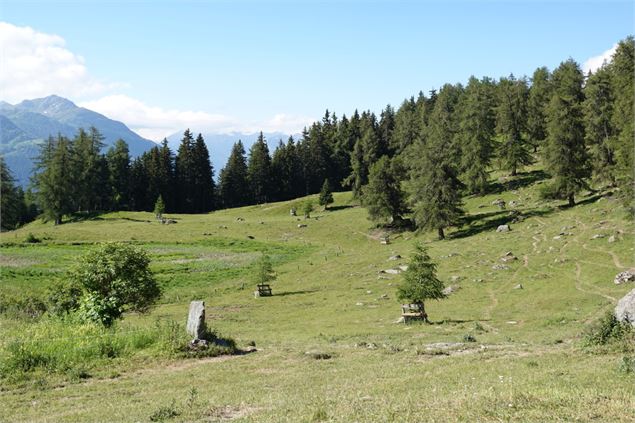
<point x="115" y="278"/>
<point x="64" y="297"/>
<point x="28" y="307"/>
<point x="165" y="412"/>
<point x="32" y="239"/>
<point x="608" y="330"/>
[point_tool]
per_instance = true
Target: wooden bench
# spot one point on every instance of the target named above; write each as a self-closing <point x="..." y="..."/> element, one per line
<point x="413" y="312"/>
<point x="264" y="290"/>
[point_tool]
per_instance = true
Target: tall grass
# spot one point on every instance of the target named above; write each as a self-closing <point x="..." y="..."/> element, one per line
<point x="73" y="348"/>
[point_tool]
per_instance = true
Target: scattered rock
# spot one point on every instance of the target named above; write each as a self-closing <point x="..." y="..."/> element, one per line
<point x="395" y="257"/>
<point x="168" y="221"/>
<point x="455" y="278"/>
<point x="240" y="219"/>
<point x="301" y="225"/>
<point x="557" y="237"/>
<point x="197" y="344"/>
<point x="477" y="280"/>
<point x="222" y="227"/>
<point x="512" y="322"/>
<point x="509" y="256"/>
<point x="392" y="271"/>
<point x="519" y="286"/>
<point x="450" y="289"/>
<point x="625" y="309"/>
<point x="293" y="212"/>
<point x="318" y="355"/>
<point x="513" y="203"/>
<point x="500" y="267"/>
<point x="196" y="319"/>
<point x="383" y="297"/>
<point x="503" y="228"/>
<point x="560" y="260"/>
<point x="403" y="267"/>
<point x="598" y="236"/>
<point x="250" y="236"/>
<point x="612" y="238"/>
<point x="623" y="277"/>
<point x="369" y="292"/>
<point x="500" y="203"/>
<point x="359" y="304"/>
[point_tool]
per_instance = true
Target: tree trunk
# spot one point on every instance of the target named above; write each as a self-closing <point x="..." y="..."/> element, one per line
<point x="441" y="234"/>
<point x="58" y="220"/>
<point x="423" y="312"/>
<point x="514" y="171"/>
<point x="571" y="200"/>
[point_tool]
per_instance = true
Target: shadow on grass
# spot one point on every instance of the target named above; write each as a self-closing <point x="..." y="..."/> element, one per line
<point x="519" y="181"/>
<point x="497" y="218"/>
<point x="336" y="208"/>
<point x="84" y="216"/>
<point x="286" y="293"/>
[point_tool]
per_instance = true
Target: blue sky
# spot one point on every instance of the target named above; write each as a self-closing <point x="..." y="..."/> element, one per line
<point x="246" y="65"/>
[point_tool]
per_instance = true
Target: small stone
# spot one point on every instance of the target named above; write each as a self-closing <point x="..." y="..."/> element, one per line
<point x="500" y="267"/>
<point x="612" y="238"/>
<point x="450" y="289"/>
<point x="455" y="278"/>
<point x="623" y="277"/>
<point x="598" y="236"/>
<point x="519" y="286"/>
<point x="359" y="304"/>
<point x="395" y="257"/>
<point x="557" y="237"/>
<point x="403" y="267"/>
<point x="503" y="228"/>
<point x="392" y="271"/>
<point x="369" y="291"/>
<point x="301" y="225"/>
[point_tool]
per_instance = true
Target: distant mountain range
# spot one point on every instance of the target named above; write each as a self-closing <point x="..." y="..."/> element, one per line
<point x="220" y="145"/>
<point x="24" y="126"/>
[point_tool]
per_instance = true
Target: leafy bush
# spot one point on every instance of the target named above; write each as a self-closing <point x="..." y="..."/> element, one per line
<point x="32" y="239"/>
<point x="64" y="297"/>
<point x="609" y="330"/>
<point x="22" y="307"/>
<point x="165" y="412"/>
<point x="115" y="278"/>
<point x="627" y="364"/>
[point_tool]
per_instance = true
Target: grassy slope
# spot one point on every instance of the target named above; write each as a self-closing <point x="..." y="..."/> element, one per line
<point x="526" y="363"/>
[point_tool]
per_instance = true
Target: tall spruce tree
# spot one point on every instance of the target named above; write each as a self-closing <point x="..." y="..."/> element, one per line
<point x="511" y="120"/>
<point x="622" y="68"/>
<point x="286" y="172"/>
<point x="203" y="177"/>
<point x="184" y="174"/>
<point x="233" y="184"/>
<point x="598" y="122"/>
<point x="53" y="181"/>
<point x="435" y="189"/>
<point x="476" y="132"/>
<point x="118" y="158"/>
<point x="326" y="196"/>
<point x="88" y="169"/>
<point x="12" y="206"/>
<point x="259" y="171"/>
<point x="539" y="97"/>
<point x="139" y="181"/>
<point x="406" y="128"/>
<point x="565" y="152"/>
<point x="383" y="197"/>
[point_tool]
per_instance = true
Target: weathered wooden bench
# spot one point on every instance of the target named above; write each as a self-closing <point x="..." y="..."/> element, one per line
<point x="264" y="290"/>
<point x="413" y="312"/>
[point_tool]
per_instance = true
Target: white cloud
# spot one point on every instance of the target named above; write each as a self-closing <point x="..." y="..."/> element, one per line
<point x="156" y="123"/>
<point x="595" y="62"/>
<point x="34" y="64"/>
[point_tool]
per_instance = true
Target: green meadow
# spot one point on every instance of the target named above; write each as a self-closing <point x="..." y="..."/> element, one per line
<point x="506" y="345"/>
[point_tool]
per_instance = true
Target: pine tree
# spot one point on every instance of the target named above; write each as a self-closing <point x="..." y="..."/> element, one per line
<point x="434" y="186"/>
<point x="54" y="182"/>
<point x="233" y="185"/>
<point x="165" y="176"/>
<point x="420" y="280"/>
<point x="264" y="270"/>
<point x="539" y="96"/>
<point x="139" y="180"/>
<point x="184" y="174"/>
<point x="383" y="196"/>
<point x="12" y="207"/>
<point x="307" y="208"/>
<point x="511" y="119"/>
<point x="88" y="168"/>
<point x="326" y="196"/>
<point x="407" y="127"/>
<point x="367" y="150"/>
<point x="622" y="67"/>
<point x="565" y="152"/>
<point x="159" y="208"/>
<point x="203" y="174"/>
<point x="598" y="121"/>
<point x="118" y="158"/>
<point x="476" y="132"/>
<point x="259" y="171"/>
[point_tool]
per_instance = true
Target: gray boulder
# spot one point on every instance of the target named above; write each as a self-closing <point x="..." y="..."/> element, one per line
<point x="625" y="309"/>
<point x="196" y="319"/>
<point x="625" y="276"/>
<point x="503" y="228"/>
